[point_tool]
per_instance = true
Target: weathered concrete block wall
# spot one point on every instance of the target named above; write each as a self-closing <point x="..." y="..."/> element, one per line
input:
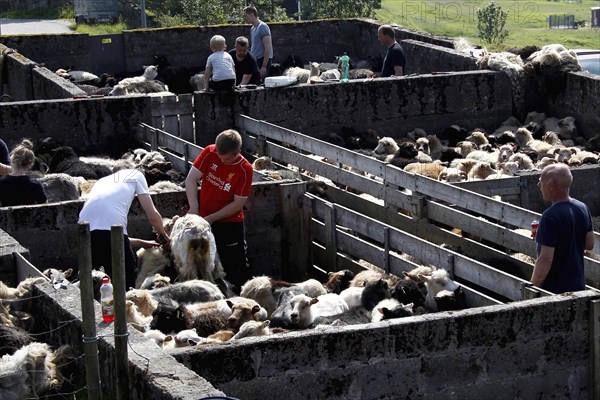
<point x="390" y="106"/>
<point x="153" y="374"/>
<point x="8" y="246"/>
<point x="90" y="126"/>
<point x="48" y="85"/>
<point x="17" y="71"/>
<point x="580" y="99"/>
<point x="426" y="58"/>
<point x="531" y="349"/>
<point x="55" y="51"/>
<point x="50" y="231"/>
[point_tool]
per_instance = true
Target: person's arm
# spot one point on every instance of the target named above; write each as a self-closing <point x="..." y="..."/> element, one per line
<point x="152" y="213"/>
<point x="542" y="265"/>
<point x="245" y="79"/>
<point x="267" y="43"/>
<point x="207" y="75"/>
<point x="589" y="240"/>
<point x="7" y="169"/>
<point x="398" y="71"/>
<point x="236" y="205"/>
<point x="137" y="244"/>
<point x="191" y="189"/>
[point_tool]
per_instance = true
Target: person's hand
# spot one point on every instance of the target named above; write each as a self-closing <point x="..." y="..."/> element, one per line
<point x="164" y="240"/>
<point x="263" y="72"/>
<point x="209" y="219"/>
<point x="147" y="244"/>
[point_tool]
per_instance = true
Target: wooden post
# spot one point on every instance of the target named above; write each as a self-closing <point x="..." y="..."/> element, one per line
<point x="294" y="229"/>
<point x="386" y="245"/>
<point x="528" y="291"/>
<point x="331" y="236"/>
<point x="86" y="286"/>
<point x="595" y="349"/>
<point x="118" y="268"/>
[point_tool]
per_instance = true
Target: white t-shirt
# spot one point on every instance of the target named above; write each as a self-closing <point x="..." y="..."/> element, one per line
<point x="111" y="198"/>
<point x="222" y="66"/>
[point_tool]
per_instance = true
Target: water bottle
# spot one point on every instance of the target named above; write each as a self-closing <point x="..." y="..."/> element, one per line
<point x="345" y="60"/>
<point x="534" y="227"/>
<point x="106" y="299"/>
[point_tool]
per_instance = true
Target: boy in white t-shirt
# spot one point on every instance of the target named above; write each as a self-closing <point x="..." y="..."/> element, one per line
<point x="220" y="69"/>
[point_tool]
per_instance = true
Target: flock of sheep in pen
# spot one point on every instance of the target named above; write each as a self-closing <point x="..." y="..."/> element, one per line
<point x="176" y="303"/>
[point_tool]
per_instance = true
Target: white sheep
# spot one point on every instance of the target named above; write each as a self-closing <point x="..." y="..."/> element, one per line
<point x="151" y="261"/>
<point x="330" y="74"/>
<point x="306" y="309"/>
<point x="302" y="75"/>
<point x="155" y="282"/>
<point x="134" y="317"/>
<point x="150" y="73"/>
<point x="438" y="281"/>
<point x="352" y="296"/>
<point x="253" y="328"/>
<point x="386" y="145"/>
<point x="313" y="287"/>
<point x="197" y="82"/>
<point x="194" y="248"/>
<point x="481" y="170"/>
<point x="452" y="175"/>
<point x="523" y="160"/>
<point x="524" y="138"/>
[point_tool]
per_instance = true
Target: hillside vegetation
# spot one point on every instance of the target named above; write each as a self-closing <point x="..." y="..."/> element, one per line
<point x="526" y="21"/>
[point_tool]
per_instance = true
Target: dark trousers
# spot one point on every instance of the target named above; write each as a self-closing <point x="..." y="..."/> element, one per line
<point x="219" y="86"/>
<point x="101" y="255"/>
<point x="259" y="61"/>
<point x="232" y="250"/>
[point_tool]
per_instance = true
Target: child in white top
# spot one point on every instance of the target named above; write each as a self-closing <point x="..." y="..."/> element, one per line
<point x="220" y="68"/>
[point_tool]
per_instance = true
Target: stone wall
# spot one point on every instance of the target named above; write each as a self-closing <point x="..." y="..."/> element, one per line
<point x="530" y="349"/>
<point x="8" y="246"/>
<point x="90" y="126"/>
<point x="390" y="106"/>
<point x="426" y="58"/>
<point x="47" y="85"/>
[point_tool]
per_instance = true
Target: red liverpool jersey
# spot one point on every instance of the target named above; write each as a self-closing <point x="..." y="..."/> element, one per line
<point x="220" y="182"/>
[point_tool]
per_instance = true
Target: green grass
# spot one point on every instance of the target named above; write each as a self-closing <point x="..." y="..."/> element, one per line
<point x="100" y="29"/>
<point x="526" y="20"/>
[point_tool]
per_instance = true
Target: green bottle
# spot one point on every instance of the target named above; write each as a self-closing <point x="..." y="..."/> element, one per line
<point x="345" y="60"/>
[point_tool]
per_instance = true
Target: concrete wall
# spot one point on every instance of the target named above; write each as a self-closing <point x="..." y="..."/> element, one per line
<point x="390" y="106"/>
<point x="48" y="85"/>
<point x="50" y="231"/>
<point x="580" y="99"/>
<point x="426" y="58"/>
<point x="17" y="77"/>
<point x="531" y="349"/>
<point x="90" y="126"/>
<point x="54" y="51"/>
<point x="8" y="246"/>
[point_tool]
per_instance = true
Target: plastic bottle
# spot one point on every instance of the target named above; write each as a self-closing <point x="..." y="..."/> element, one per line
<point x="106" y="299"/>
<point x="534" y="228"/>
<point x="345" y="61"/>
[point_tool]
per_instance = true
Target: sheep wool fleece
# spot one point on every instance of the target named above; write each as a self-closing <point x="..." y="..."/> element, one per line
<point x="221" y="182"/>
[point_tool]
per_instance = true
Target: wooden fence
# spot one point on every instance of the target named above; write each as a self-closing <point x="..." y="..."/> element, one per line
<point x="427" y="200"/>
<point x="174" y="114"/>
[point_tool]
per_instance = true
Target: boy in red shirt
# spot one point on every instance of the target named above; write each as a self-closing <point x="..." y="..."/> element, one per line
<point x="226" y="180"/>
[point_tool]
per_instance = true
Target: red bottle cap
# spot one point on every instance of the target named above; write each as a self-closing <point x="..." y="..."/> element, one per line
<point x="105" y="280"/>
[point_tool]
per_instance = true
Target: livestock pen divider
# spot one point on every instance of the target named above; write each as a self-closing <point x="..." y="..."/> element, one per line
<point x="174" y="114"/>
<point x="427" y="200"/>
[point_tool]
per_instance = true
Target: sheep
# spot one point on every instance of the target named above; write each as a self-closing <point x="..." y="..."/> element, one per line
<point x="281" y="315"/>
<point x="365" y="276"/>
<point x="373" y="293"/>
<point x="76" y="76"/>
<point x="61" y="187"/>
<point x="155" y="282"/>
<point x="151" y="261"/>
<point x="194" y="248"/>
<point x="305" y="309"/>
<point x="523" y="161"/>
<point x="135" y="317"/>
<point x="12" y="338"/>
<point x="465" y="147"/>
<point x="505" y="152"/>
<point x="32" y="371"/>
<point x="156" y="88"/>
<point x="253" y="328"/>
<point x="484" y="156"/>
<point x="150" y="73"/>
<point x="524" y="138"/>
<point x="312" y="287"/>
<point x="197" y="82"/>
<point x="544" y="162"/>
<point x="243" y="310"/>
<point x="452" y="175"/>
<point x="580" y="157"/>
<point x="181" y="293"/>
<point x="207" y="318"/>
<point x="22" y="290"/>
<point x="330" y="74"/>
<point x="65" y="160"/>
<point x="261" y="289"/>
<point x="410" y="290"/>
<point x="437" y="282"/>
<point x="432" y="146"/>
<point x="431" y="170"/>
<point x="338" y="281"/>
<point x="164" y="187"/>
<point x="505" y="169"/>
<point x="161" y="340"/>
<point x="405" y="155"/>
<point x="302" y="75"/>
<point x="262" y="163"/>
<point x="562" y="155"/>
<point x="352" y="296"/>
<point x="389" y="309"/>
<point x="386" y="146"/>
<point x="481" y="170"/>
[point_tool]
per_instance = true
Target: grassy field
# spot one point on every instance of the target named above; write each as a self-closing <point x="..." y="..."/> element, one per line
<point x="526" y="20"/>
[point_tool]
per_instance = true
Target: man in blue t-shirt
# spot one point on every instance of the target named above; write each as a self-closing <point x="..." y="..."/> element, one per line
<point x="395" y="59"/>
<point x="260" y="38"/>
<point x="246" y="68"/>
<point x="5" y="167"/>
<point x="564" y="232"/>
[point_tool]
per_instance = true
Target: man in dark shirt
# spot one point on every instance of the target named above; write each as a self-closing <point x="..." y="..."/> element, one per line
<point x="4" y="159"/>
<point x="395" y="59"/>
<point x="246" y="68"/>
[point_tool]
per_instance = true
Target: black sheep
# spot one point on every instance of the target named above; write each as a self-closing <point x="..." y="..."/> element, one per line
<point x="65" y="160"/>
<point x="373" y="293"/>
<point x="12" y="339"/>
<point x="404" y="155"/>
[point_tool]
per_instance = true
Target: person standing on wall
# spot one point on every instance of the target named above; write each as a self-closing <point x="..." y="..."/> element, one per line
<point x="226" y="182"/>
<point x="246" y="68"/>
<point x="261" y="43"/>
<point x="564" y="232"/>
<point x="395" y="58"/>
